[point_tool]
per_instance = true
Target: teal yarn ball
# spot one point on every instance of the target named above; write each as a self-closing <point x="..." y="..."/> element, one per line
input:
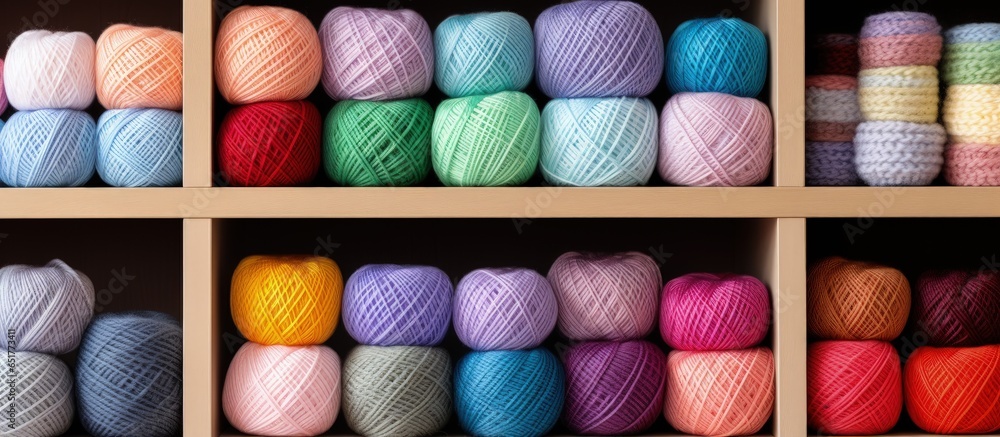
<point x="140" y="148"/>
<point x="48" y="148"/>
<point x="507" y="393"/>
<point x="486" y="141"/>
<point x="723" y="55"/>
<point x="599" y="142"/>
<point x="483" y="53"/>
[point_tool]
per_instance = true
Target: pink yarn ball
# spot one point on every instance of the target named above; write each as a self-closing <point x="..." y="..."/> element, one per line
<point x="715" y="140"/>
<point x="708" y="312"/>
<point x="3" y="93"/>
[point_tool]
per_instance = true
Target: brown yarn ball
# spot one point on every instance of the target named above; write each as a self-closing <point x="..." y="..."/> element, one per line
<point x="854" y="300"/>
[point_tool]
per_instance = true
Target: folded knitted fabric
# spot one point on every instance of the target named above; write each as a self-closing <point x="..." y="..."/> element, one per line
<point x="972" y="165"/>
<point x="834" y="54"/>
<point x="832" y="110"/>
<point x="899" y="94"/>
<point x="972" y="114"/>
<point x="830" y="163"/>
<point x="898" y="153"/>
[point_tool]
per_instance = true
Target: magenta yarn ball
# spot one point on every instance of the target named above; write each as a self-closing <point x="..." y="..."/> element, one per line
<point x="504" y="309"/>
<point x="3" y="91"/>
<point x="709" y="312"/>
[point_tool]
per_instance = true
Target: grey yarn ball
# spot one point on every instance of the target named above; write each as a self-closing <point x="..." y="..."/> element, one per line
<point x="42" y="404"/>
<point x="48" y="308"/>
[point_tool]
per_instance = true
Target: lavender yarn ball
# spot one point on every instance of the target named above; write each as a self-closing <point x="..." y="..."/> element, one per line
<point x="895" y="153"/>
<point x="48" y="148"/>
<point x="394" y="305"/>
<point x="43" y="401"/>
<point x="47" y="308"/>
<point x="830" y="164"/>
<point x="504" y="309"/>
<point x="483" y="53"/>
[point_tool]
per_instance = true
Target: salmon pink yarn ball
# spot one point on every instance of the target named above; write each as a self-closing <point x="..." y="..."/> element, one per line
<point x="140" y="67"/>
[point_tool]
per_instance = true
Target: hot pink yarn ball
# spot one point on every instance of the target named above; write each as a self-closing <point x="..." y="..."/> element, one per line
<point x="708" y="312"/>
<point x="3" y="93"/>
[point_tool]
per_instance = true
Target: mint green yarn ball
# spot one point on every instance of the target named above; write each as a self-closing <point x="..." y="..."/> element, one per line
<point x="378" y="144"/>
<point x="486" y="141"/>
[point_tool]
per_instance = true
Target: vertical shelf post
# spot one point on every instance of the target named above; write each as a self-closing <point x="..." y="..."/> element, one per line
<point x="786" y="19"/>
<point x="789" y="304"/>
<point x="198" y="93"/>
<point x="201" y="326"/>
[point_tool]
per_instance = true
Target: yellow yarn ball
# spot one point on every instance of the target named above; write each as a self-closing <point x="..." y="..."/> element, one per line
<point x="899" y="94"/>
<point x="971" y="114"/>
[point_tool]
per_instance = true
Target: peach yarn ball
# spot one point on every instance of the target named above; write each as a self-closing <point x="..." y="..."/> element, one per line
<point x="140" y="67"/>
<point x="854" y="300"/>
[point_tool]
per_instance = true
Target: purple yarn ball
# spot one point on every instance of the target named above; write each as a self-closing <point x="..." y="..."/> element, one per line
<point x="830" y="164"/>
<point x="504" y="309"/>
<point x="393" y="305"/>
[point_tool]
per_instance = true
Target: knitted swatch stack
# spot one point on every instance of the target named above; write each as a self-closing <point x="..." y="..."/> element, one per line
<point x="832" y="112"/>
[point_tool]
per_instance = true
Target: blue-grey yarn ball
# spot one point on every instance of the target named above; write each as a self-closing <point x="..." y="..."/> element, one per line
<point x="129" y="375"/>
<point x="140" y="148"/>
<point x="48" y="148"/>
<point x="722" y="55"/>
<point x="483" y="53"/>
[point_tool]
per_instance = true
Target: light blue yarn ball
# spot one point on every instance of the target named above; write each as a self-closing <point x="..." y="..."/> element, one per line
<point x="140" y="148"/>
<point x="483" y="53"/>
<point x="723" y="55"/>
<point x="48" y="148"/>
<point x="599" y="142"/>
<point x="509" y="393"/>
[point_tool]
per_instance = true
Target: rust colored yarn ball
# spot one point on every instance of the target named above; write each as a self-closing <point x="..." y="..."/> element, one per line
<point x="140" y="67"/>
<point x="954" y="390"/>
<point x="854" y="300"/>
<point x="958" y="308"/>
<point x="270" y="144"/>
<point x="854" y="387"/>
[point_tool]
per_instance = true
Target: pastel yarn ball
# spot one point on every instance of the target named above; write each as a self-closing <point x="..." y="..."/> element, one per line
<point x="483" y="53"/>
<point x="599" y="142"/>
<point x="50" y="70"/>
<point x="3" y="92"/>
<point x="720" y="392"/>
<point x="48" y="148"/>
<point x="503" y="393"/>
<point x="140" y="148"/>
<point x="129" y="375"/>
<point x="892" y="153"/>
<point x="854" y="387"/>
<point x="375" y="144"/>
<point x="722" y="55"/>
<point x="855" y="300"/>
<point x="376" y="54"/>
<point x="598" y="49"/>
<point x="954" y="390"/>
<point x="972" y="165"/>
<point x="958" y="308"/>
<point x="830" y="164"/>
<point x="140" y="67"/>
<point x="282" y="390"/>
<point x="709" y="312"/>
<point x="504" y="309"/>
<point x="398" y="305"/>
<point x="715" y="140"/>
<point x="266" y="53"/>
<point x="288" y="300"/>
<point x="270" y="144"/>
<point x="43" y="396"/>
<point x="47" y="307"/>
<point x="614" y="388"/>
<point x="486" y="141"/>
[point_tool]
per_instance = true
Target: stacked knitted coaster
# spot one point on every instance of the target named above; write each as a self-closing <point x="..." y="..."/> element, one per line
<point x="832" y="112"/>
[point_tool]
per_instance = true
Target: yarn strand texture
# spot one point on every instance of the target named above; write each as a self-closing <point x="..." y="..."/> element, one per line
<point x="48" y="307"/>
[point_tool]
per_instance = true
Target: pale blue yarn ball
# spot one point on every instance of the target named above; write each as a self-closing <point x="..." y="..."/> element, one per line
<point x="722" y="55"/>
<point x="140" y="148"/>
<point x="483" y="53"/>
<point x="48" y="148"/>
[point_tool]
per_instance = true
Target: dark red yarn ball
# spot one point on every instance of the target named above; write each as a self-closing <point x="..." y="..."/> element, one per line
<point x="270" y="144"/>
<point x="834" y="54"/>
<point x="958" y="308"/>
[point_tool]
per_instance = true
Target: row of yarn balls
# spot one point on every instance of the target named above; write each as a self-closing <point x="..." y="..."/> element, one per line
<point x="951" y="379"/>
<point x="398" y="381"/>
<point x="128" y="371"/>
<point x="597" y="59"/>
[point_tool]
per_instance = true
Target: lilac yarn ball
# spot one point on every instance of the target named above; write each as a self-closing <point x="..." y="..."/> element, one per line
<point x="504" y="309"/>
<point x="393" y="305"/>
<point x="830" y="164"/>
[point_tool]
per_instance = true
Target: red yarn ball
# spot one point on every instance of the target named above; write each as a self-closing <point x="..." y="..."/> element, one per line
<point x="958" y="308"/>
<point x="270" y="144"/>
<point x="708" y="312"/>
<point x="854" y="387"/>
<point x="954" y="390"/>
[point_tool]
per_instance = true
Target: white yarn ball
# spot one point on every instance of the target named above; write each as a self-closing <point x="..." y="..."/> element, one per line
<point x="46" y="308"/>
<point x="51" y="70"/>
<point x="43" y="396"/>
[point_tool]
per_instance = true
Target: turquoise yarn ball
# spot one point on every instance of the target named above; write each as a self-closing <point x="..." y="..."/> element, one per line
<point x="723" y="55"/>
<point x="599" y="142"/>
<point x="483" y="53"/>
<point x="140" y="148"/>
<point x="48" y="148"/>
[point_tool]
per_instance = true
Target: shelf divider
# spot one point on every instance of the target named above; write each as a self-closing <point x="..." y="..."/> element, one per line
<point x="201" y="326"/>
<point x="198" y="93"/>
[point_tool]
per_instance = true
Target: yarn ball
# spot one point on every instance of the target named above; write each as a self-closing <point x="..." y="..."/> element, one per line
<point x="599" y="142"/>
<point x="971" y="54"/>
<point x="50" y="70"/>
<point x="835" y="54"/>
<point x="598" y="49"/>
<point x="713" y="139"/>
<point x="970" y="112"/>
<point x="376" y="54"/>
<point x="393" y="305"/>
<point x="140" y="67"/>
<point x="899" y="94"/>
<point x="397" y="391"/>
<point x="504" y="309"/>
<point x="289" y="300"/>
<point x="490" y="140"/>
<point x="954" y="390"/>
<point x="903" y="38"/>
<point x="47" y="308"/>
<point x="140" y="148"/>
<point x="958" y="308"/>
<point x="483" y="53"/>
<point x="830" y="164"/>
<point x="270" y="144"/>
<point x="710" y="312"/>
<point x="976" y="165"/>
<point x="48" y="148"/>
<point x="854" y="387"/>
<point x="506" y="393"/>
<point x="614" y="388"/>
<point x="3" y="93"/>
<point x="373" y="144"/>
<point x="720" y="392"/>
<point x="129" y="375"/>
<point x="856" y="300"/>
<point x="42" y="404"/>
<point x="832" y="111"/>
<point x="282" y="390"/>
<point x="722" y="55"/>
<point x="890" y="153"/>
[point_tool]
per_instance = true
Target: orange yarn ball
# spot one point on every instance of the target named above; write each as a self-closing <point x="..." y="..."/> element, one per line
<point x="140" y="67"/>
<point x="954" y="390"/>
<point x="287" y="300"/>
<point x="853" y="300"/>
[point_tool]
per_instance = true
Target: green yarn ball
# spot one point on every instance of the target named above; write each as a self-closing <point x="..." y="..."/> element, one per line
<point x="971" y="63"/>
<point x="486" y="141"/>
<point x="378" y="144"/>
